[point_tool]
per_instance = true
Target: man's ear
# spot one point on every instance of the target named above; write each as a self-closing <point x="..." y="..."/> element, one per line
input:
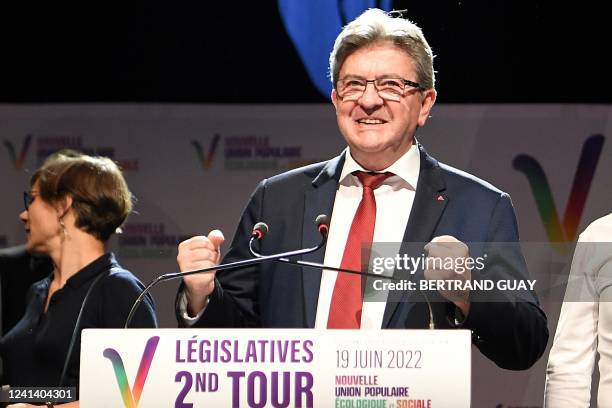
<point x="334" y="98"/>
<point x="429" y="98"/>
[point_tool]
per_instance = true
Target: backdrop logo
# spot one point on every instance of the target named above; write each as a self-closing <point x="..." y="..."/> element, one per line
<point x="131" y="397"/>
<point x="557" y="230"/>
<point x="206" y="161"/>
<point x="18" y="161"/>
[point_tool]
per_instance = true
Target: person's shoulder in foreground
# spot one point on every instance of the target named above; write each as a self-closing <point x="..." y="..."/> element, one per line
<point x="584" y="329"/>
<point x="599" y="230"/>
<point x="118" y="292"/>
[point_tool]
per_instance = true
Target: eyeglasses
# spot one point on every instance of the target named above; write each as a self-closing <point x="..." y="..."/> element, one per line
<point x="391" y="89"/>
<point x="28" y="198"/>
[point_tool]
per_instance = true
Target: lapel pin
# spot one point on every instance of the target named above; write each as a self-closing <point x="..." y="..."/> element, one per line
<point x="440" y="198"/>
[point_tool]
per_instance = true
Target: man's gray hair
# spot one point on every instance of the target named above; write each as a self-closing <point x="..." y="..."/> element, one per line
<point x="374" y="26"/>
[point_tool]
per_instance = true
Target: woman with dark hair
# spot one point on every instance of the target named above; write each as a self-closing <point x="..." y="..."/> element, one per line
<point x="75" y="204"/>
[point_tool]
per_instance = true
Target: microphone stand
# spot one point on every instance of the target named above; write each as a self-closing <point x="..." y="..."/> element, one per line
<point x="222" y="267"/>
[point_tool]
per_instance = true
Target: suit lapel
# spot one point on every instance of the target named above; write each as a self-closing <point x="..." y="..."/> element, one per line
<point x="319" y="199"/>
<point x="427" y="208"/>
<point x="429" y="201"/>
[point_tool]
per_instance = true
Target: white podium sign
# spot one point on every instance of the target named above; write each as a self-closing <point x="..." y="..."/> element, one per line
<point x="191" y="368"/>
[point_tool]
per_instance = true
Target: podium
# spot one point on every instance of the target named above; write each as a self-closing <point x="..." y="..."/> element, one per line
<point x="191" y="368"/>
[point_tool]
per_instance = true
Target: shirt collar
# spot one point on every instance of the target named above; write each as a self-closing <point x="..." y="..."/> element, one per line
<point x="406" y="168"/>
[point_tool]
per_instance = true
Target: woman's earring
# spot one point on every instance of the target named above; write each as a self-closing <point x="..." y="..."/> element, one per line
<point x="64" y="230"/>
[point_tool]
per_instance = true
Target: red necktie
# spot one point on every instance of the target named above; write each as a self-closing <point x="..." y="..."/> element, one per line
<point x="345" y="308"/>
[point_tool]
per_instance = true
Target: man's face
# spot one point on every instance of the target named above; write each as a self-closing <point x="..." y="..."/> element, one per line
<point x="380" y="131"/>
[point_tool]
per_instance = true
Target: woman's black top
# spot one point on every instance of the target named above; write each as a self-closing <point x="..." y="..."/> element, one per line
<point x="34" y="351"/>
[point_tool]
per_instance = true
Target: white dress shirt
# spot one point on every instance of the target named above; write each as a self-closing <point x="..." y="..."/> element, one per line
<point x="585" y="325"/>
<point x="394" y="200"/>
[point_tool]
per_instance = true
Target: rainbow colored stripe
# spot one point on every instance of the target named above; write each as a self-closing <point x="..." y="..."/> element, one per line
<point x="206" y="162"/>
<point x="18" y="161"/>
<point x="131" y="397"/>
<point x="556" y="230"/>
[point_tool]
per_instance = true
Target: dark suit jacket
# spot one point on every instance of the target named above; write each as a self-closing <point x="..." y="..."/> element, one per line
<point x="18" y="271"/>
<point x="512" y="332"/>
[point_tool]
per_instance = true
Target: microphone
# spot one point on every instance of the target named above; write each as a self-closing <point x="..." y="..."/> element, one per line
<point x="262" y="229"/>
<point x="322" y="222"/>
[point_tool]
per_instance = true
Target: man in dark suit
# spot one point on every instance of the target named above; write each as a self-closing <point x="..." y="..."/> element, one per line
<point x="383" y="188"/>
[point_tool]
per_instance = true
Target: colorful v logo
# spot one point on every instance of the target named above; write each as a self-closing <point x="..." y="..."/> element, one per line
<point x="18" y="161"/>
<point x="206" y="162"/>
<point x="566" y="231"/>
<point x="131" y="397"/>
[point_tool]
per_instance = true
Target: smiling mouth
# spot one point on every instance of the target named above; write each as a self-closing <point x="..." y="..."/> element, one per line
<point x="371" y="121"/>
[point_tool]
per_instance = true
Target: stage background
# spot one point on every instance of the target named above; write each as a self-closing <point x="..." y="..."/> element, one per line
<point x="200" y="101"/>
<point x="192" y="168"/>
